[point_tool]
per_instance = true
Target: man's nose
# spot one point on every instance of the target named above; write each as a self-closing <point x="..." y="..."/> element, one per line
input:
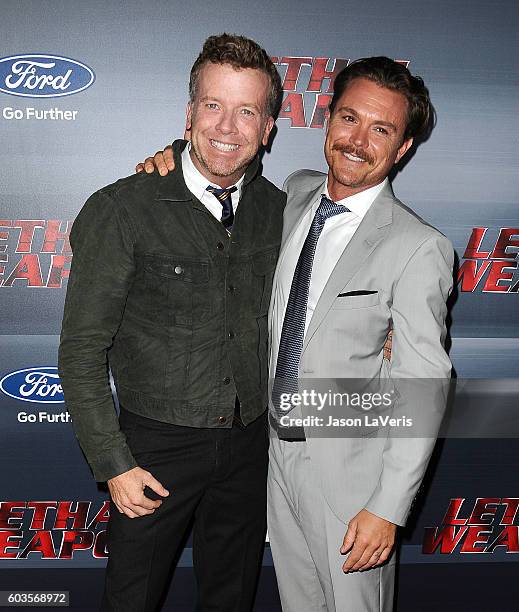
<point x="227" y="123"/>
<point x="359" y="136"/>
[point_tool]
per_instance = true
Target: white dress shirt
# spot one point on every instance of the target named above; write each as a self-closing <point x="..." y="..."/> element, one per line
<point x="334" y="238"/>
<point x="197" y="185"/>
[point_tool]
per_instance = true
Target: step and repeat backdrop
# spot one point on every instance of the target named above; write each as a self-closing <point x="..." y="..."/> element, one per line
<point x="87" y="89"/>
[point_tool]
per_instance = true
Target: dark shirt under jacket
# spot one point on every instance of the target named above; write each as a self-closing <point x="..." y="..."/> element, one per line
<point x="177" y="309"/>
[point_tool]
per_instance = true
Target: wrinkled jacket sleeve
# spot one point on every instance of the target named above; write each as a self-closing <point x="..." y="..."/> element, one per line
<point x="102" y="270"/>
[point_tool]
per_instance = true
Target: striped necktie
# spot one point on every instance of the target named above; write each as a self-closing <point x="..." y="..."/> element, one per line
<point x="292" y="334"/>
<point x="224" y="197"/>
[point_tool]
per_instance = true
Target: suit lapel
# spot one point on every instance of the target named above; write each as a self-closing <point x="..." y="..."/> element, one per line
<point x="300" y="203"/>
<point x="371" y="231"/>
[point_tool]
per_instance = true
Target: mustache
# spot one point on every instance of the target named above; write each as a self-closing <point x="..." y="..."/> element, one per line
<point x="362" y="153"/>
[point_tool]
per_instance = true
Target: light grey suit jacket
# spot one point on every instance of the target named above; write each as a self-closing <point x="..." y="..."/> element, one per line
<point x="408" y="264"/>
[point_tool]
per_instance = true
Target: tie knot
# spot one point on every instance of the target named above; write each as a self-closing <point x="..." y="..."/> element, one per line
<point x="221" y="194"/>
<point x="328" y="208"/>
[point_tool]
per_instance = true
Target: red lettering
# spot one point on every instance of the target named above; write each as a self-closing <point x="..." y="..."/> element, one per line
<point x="507" y="538"/>
<point x="294" y="68"/>
<point x="8" y="512"/>
<point x="453" y="509"/>
<point x="53" y="233"/>
<point x="65" y="513"/>
<point x="27" y="234"/>
<point x="512" y="504"/>
<point x="42" y="543"/>
<point x="470" y="275"/>
<point x="75" y="540"/>
<point x="320" y="114"/>
<point x="57" y="271"/>
<point x="446" y="538"/>
<point x="100" y="545"/>
<point x="497" y="274"/>
<point x="4" y="235"/>
<point x="40" y="512"/>
<point x="27" y="268"/>
<point x="101" y="517"/>
<point x="293" y="108"/>
<point x="6" y="541"/>
<point x="482" y="514"/>
<point x="473" y="539"/>
<point x="504" y="241"/>
<point x="473" y="245"/>
<point x="320" y="72"/>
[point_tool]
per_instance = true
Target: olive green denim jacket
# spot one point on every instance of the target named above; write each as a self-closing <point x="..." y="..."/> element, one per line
<point x="160" y="294"/>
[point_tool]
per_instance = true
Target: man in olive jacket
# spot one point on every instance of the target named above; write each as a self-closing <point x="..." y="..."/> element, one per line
<point x="170" y="288"/>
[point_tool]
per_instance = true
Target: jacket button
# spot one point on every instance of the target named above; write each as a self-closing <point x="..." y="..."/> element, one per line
<point x="179" y="269"/>
<point x="226" y="380"/>
<point x="220" y="246"/>
<point x="231" y="335"/>
<point x="222" y="420"/>
<point x="231" y="288"/>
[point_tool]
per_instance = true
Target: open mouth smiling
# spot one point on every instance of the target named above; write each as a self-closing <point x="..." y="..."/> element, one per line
<point x="223" y="146"/>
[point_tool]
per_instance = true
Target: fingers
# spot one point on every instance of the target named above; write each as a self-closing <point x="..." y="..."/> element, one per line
<point x="139" y="168"/>
<point x="155" y="485"/>
<point x="149" y="165"/>
<point x="360" y="559"/>
<point x="127" y="492"/>
<point x="349" y="538"/>
<point x="168" y="158"/>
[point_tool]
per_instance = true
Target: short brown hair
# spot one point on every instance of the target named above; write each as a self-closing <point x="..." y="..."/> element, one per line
<point x="239" y="52"/>
<point x="395" y="76"/>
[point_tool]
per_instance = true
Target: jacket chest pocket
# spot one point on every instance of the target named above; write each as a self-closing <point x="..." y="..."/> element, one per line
<point x="263" y="267"/>
<point x="356" y="299"/>
<point x="178" y="288"/>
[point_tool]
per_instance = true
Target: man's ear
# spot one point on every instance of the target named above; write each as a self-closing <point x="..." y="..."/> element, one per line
<point x="404" y="147"/>
<point x="266" y="132"/>
<point x="189" y="114"/>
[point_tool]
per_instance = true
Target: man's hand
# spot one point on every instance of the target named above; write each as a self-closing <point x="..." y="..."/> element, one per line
<point x="370" y="539"/>
<point x="162" y="161"/>
<point x="127" y="491"/>
<point x="388" y="345"/>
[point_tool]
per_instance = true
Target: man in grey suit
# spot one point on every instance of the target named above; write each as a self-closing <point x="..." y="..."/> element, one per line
<point x="354" y="263"/>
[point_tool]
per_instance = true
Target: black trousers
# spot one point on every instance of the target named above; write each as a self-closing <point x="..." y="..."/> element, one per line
<point x="216" y="476"/>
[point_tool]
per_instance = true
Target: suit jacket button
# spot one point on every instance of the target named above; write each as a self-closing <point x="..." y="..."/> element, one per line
<point x="220" y="246"/>
<point x="222" y="420"/>
<point x="226" y="380"/>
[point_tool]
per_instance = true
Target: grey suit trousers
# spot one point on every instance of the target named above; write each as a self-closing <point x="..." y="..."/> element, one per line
<point x="305" y="538"/>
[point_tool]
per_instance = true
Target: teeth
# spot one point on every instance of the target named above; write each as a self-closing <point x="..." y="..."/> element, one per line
<point x="222" y="146"/>
<point x="353" y="158"/>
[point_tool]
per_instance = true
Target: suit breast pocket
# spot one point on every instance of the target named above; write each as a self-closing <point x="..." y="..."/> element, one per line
<point x="356" y="299"/>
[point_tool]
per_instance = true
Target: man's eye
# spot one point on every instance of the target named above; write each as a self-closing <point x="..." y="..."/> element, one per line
<point x="349" y="118"/>
<point x="212" y="105"/>
<point x="247" y="112"/>
<point x="381" y="130"/>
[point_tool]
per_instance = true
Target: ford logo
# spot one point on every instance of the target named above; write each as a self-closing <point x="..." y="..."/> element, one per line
<point x="40" y="385"/>
<point x="43" y="76"/>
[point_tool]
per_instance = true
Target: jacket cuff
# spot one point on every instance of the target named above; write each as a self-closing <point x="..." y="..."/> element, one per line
<point x="111" y="464"/>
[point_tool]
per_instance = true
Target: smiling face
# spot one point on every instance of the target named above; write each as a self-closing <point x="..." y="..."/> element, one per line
<point x="364" y="137"/>
<point x="228" y="121"/>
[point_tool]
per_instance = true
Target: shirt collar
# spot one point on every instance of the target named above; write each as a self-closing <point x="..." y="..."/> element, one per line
<point x="359" y="203"/>
<point x="195" y="180"/>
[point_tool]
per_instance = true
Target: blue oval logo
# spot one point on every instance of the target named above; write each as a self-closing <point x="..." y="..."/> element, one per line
<point x="40" y="385"/>
<point x="43" y="76"/>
